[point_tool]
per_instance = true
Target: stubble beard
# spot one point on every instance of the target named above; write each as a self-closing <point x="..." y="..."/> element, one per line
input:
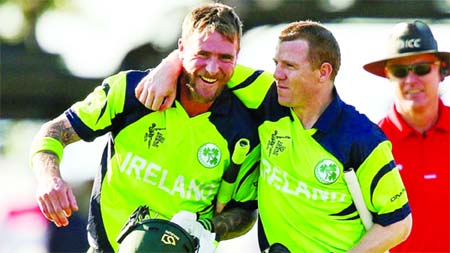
<point x="195" y="95"/>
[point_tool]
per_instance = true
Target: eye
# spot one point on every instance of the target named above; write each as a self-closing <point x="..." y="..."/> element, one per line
<point x="399" y="71"/>
<point x="202" y="54"/>
<point x="422" y="68"/>
<point x="227" y="58"/>
<point x="290" y="65"/>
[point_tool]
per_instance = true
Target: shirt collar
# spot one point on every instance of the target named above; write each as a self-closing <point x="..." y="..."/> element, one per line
<point x="404" y="129"/>
<point x="331" y="114"/>
<point x="443" y="122"/>
<point x="221" y="104"/>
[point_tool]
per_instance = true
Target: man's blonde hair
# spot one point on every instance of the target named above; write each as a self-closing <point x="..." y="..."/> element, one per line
<point x="214" y="17"/>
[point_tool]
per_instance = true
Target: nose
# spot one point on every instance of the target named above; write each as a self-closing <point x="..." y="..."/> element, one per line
<point x="212" y="66"/>
<point x="278" y="73"/>
<point x="411" y="77"/>
<point x="410" y="81"/>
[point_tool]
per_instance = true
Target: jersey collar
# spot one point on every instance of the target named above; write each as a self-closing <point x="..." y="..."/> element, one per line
<point x="330" y="116"/>
<point x="220" y="106"/>
<point x="444" y="118"/>
<point x="404" y="130"/>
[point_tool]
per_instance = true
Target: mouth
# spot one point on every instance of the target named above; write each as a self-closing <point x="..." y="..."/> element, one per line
<point x="281" y="87"/>
<point x="208" y="79"/>
<point x="414" y="91"/>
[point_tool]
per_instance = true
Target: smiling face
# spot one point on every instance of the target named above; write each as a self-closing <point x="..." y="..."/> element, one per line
<point x="208" y="60"/>
<point x="415" y="92"/>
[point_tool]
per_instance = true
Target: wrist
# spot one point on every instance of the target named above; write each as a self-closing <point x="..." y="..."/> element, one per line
<point x="46" y="144"/>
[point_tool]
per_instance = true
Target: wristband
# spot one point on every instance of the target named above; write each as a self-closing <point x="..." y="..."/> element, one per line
<point x="47" y="144"/>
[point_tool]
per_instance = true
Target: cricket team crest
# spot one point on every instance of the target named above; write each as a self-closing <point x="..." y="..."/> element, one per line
<point x="327" y="171"/>
<point x="209" y="155"/>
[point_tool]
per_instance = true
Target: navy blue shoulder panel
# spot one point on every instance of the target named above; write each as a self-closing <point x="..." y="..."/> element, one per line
<point x="133" y="109"/>
<point x="349" y="135"/>
<point x="81" y="129"/>
<point x="270" y="109"/>
<point x="86" y="133"/>
<point x="233" y="120"/>
<point x="249" y="80"/>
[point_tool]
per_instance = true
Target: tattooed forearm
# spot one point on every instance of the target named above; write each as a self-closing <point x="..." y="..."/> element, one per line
<point x="46" y="162"/>
<point x="60" y="129"/>
<point x="233" y="223"/>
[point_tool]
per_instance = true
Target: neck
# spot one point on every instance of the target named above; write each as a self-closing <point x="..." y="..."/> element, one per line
<point x="309" y="112"/>
<point x="420" y="119"/>
<point x="191" y="106"/>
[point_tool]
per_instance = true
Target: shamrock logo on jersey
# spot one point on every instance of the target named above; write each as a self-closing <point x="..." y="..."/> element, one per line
<point x="209" y="155"/>
<point x="327" y="171"/>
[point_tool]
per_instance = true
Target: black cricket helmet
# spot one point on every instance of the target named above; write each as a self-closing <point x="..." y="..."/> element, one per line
<point x="142" y="234"/>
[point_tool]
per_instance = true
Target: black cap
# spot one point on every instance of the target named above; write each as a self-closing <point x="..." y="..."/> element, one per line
<point x="408" y="39"/>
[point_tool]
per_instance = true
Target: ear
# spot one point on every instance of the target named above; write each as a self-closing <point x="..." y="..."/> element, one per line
<point x="325" y="71"/>
<point x="443" y="70"/>
<point x="180" y="45"/>
<point x="180" y="48"/>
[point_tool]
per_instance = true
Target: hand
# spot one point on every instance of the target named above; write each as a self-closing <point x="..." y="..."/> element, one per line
<point x="56" y="200"/>
<point x="188" y="221"/>
<point x="157" y="90"/>
<point x="220" y="206"/>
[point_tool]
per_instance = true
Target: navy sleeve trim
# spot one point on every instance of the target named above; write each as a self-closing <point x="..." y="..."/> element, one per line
<point x="81" y="129"/>
<point x="391" y="218"/>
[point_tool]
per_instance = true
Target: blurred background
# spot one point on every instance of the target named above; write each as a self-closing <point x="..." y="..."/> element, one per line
<point x="54" y="52"/>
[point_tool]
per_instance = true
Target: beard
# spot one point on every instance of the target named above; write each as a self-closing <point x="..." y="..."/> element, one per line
<point x="200" y="91"/>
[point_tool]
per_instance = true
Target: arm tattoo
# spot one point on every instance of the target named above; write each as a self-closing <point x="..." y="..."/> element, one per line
<point x="233" y="223"/>
<point x="60" y="129"/>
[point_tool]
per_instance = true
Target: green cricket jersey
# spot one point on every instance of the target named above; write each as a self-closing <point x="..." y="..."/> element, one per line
<point x="303" y="200"/>
<point x="165" y="160"/>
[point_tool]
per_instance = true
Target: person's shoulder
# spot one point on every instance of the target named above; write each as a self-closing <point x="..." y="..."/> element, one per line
<point x="444" y="107"/>
<point x="361" y="127"/>
<point x="250" y="85"/>
<point x="356" y="136"/>
<point x="122" y="90"/>
<point x="126" y="77"/>
<point x="244" y="76"/>
<point x="385" y="122"/>
<point x="133" y="77"/>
